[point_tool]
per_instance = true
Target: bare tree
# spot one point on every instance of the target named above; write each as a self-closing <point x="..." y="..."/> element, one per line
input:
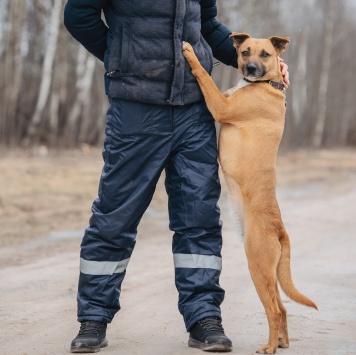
<point x="85" y="72"/>
<point x="47" y="69"/>
<point x="13" y="67"/>
<point x="300" y="81"/>
<point x="325" y="71"/>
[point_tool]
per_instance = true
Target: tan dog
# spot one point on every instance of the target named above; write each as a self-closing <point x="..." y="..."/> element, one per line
<point x="252" y="123"/>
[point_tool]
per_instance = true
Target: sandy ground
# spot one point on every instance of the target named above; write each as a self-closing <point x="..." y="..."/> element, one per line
<point x="44" y="207"/>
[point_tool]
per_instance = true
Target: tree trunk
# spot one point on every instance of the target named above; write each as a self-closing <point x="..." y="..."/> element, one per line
<point x="76" y="110"/>
<point x="47" y="72"/>
<point x="299" y="93"/>
<point x="85" y="94"/>
<point x="13" y="70"/>
<point x="324" y="76"/>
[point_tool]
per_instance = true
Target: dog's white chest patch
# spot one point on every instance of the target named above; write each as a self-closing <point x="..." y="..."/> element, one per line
<point x="241" y="84"/>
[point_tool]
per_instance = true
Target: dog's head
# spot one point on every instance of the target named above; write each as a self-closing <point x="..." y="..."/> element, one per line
<point x="259" y="58"/>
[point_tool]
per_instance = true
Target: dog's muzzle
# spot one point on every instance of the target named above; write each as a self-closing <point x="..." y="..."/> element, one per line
<point x="252" y="70"/>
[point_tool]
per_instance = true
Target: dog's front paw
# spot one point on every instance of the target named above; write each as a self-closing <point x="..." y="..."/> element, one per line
<point x="188" y="53"/>
<point x="187" y="48"/>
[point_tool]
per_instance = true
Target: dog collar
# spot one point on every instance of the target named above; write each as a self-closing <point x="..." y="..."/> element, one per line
<point x="277" y="85"/>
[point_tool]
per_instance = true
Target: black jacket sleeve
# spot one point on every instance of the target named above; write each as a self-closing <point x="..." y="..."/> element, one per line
<point x="82" y="18"/>
<point x="217" y="34"/>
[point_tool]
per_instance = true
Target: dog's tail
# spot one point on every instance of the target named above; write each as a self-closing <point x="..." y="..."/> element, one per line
<point x="284" y="274"/>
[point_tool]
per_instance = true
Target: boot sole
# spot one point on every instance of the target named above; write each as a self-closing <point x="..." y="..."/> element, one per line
<point x="88" y="349"/>
<point x="216" y="347"/>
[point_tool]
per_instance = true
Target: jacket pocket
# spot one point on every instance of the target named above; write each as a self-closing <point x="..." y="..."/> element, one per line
<point x="125" y="50"/>
<point x="119" y="53"/>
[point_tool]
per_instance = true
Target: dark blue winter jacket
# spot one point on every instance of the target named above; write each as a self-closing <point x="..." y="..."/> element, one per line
<point x="141" y="46"/>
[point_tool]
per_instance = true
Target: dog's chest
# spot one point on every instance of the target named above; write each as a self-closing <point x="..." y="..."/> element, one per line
<point x="241" y="84"/>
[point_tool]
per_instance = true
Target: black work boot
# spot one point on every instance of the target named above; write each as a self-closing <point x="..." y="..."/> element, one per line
<point x="208" y="335"/>
<point x="90" y="339"/>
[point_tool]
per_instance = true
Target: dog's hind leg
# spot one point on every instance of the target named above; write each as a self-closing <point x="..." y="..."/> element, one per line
<point x="263" y="253"/>
<point x="283" y="340"/>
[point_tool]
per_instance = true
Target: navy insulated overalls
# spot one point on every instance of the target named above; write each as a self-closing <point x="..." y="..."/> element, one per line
<point x="141" y="141"/>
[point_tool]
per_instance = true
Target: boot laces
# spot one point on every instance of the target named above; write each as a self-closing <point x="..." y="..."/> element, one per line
<point x="211" y="324"/>
<point x="91" y="328"/>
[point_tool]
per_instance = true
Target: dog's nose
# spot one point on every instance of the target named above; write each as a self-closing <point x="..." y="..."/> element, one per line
<point x="251" y="68"/>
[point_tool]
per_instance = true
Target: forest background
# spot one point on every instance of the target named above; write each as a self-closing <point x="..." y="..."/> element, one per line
<point x="52" y="90"/>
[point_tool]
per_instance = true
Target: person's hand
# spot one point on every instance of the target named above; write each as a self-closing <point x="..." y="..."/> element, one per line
<point x="285" y="73"/>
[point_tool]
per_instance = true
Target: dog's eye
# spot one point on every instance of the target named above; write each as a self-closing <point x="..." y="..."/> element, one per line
<point x="245" y="53"/>
<point x="265" y="54"/>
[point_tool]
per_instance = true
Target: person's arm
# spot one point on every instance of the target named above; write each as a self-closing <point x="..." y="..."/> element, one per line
<point x="217" y="34"/>
<point x="82" y="18"/>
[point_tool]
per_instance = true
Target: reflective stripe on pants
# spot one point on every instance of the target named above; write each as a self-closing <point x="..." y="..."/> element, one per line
<point x="196" y="261"/>
<point x="102" y="267"/>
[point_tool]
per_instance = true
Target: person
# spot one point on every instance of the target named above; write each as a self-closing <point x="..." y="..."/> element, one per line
<point x="157" y="120"/>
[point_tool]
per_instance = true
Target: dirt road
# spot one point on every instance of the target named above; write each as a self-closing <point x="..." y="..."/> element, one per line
<point x="38" y="275"/>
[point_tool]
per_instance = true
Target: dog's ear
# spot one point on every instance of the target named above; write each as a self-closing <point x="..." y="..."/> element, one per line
<point x="239" y="38"/>
<point x="280" y="43"/>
